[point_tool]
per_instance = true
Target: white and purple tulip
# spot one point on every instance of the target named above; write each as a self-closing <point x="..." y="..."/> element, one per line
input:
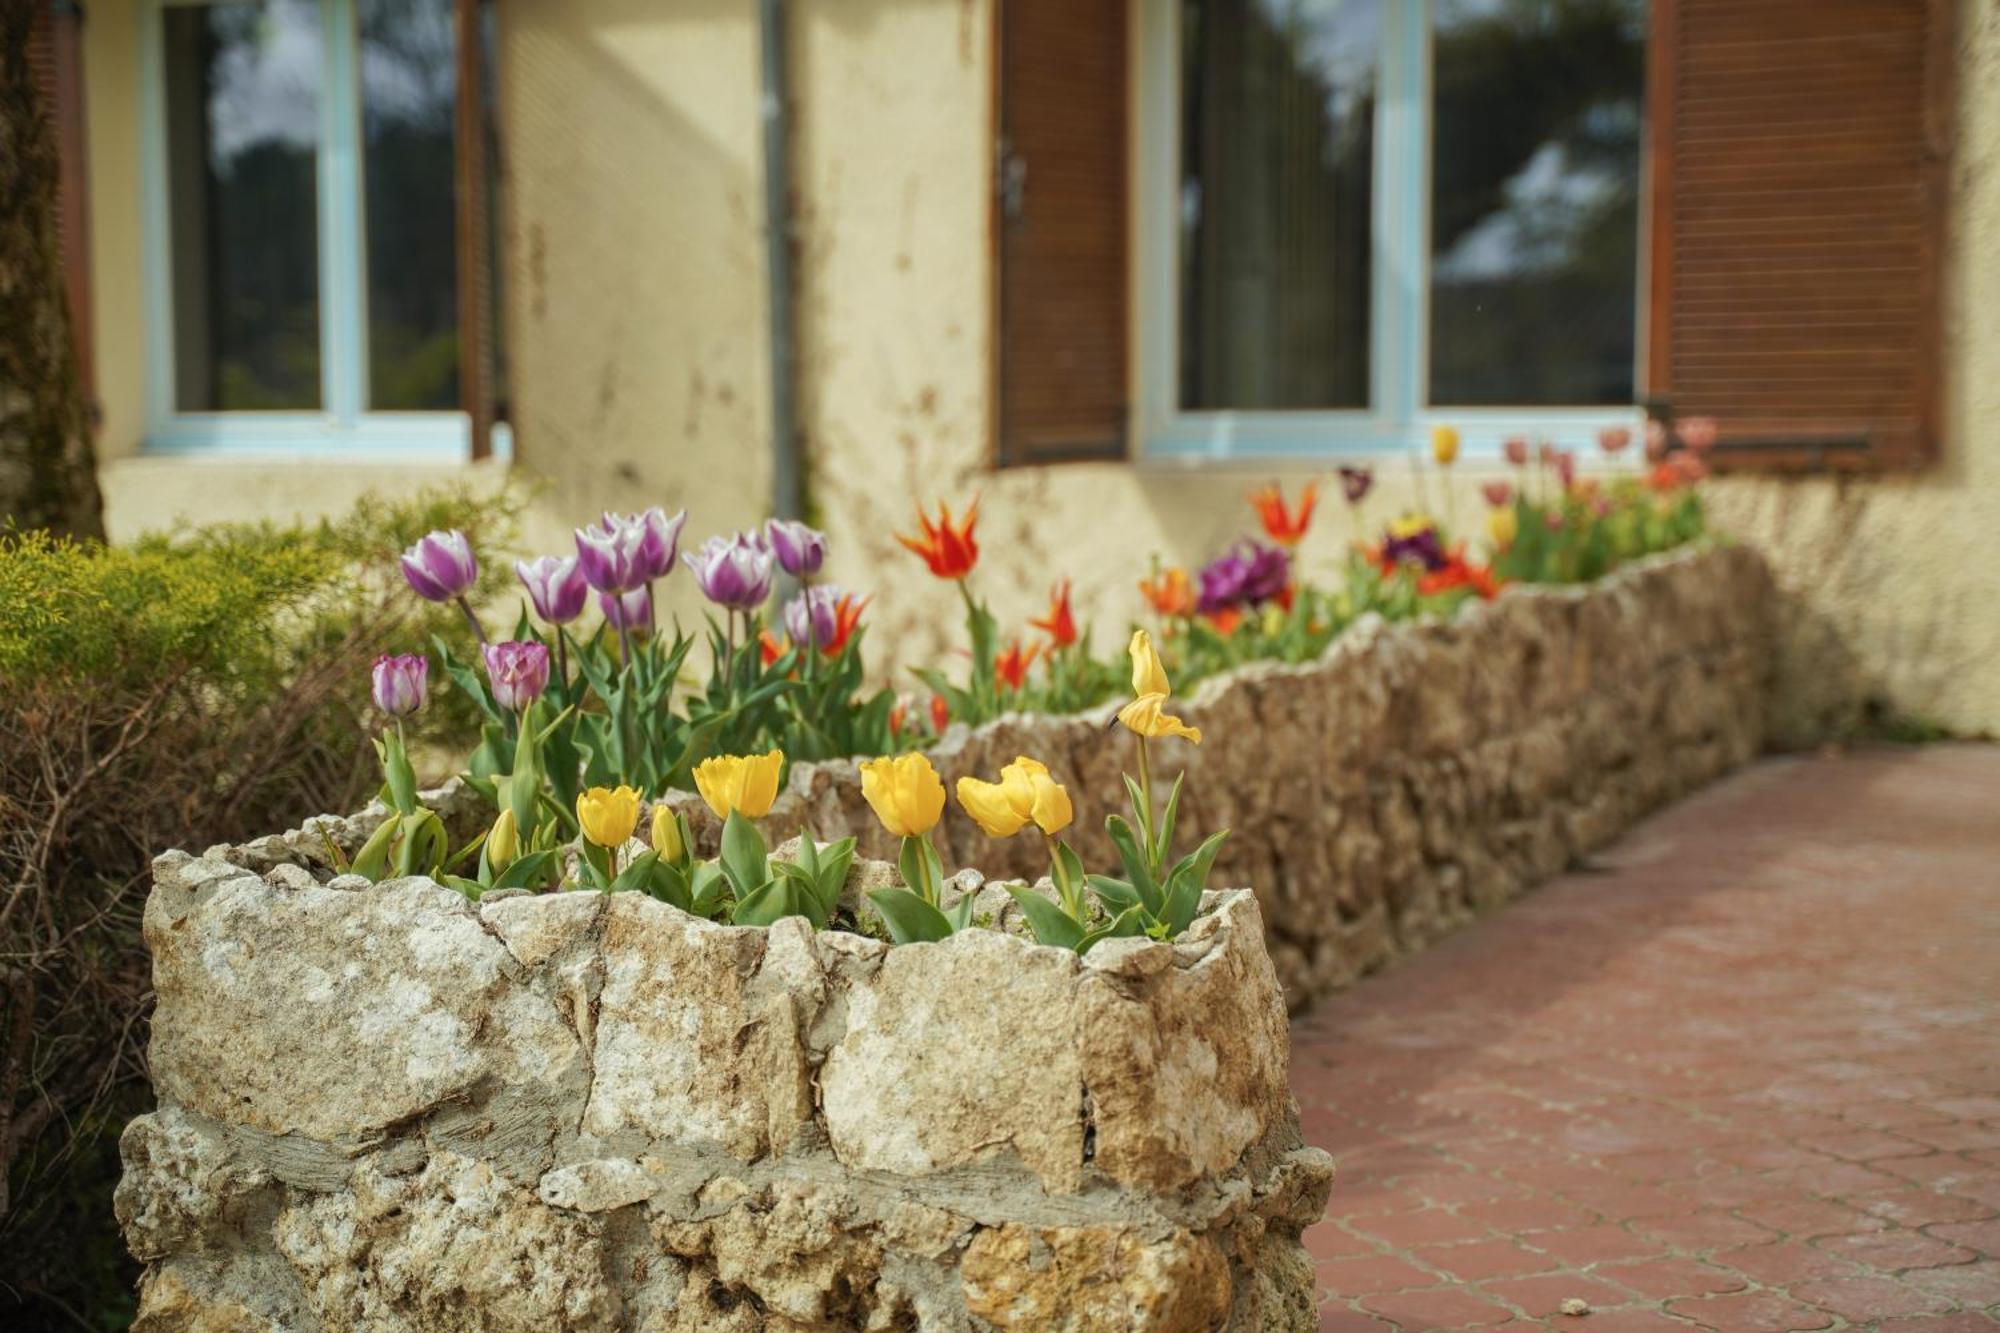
<point x="814" y="615"/>
<point x="555" y="585"/>
<point x="402" y="682"/>
<point x="628" y="610"/>
<point x="517" y="672"/>
<point x="441" y="567"/>
<point x="800" y="550"/>
<point x="733" y="571"/>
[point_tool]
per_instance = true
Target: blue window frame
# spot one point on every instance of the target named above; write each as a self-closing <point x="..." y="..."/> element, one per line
<point x="1287" y="188"/>
<point x="260" y="122"/>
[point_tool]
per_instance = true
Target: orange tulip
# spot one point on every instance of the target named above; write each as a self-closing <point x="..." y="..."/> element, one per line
<point x="1060" y="623"/>
<point x="1225" y="620"/>
<point x="1285" y="527"/>
<point x="1171" y="593"/>
<point x="769" y="648"/>
<point x="940" y="713"/>
<point x="846" y="618"/>
<point x="1010" y="668"/>
<point x="947" y="547"/>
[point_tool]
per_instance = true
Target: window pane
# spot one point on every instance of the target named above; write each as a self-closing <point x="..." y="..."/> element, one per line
<point x="1277" y="153"/>
<point x="408" y="83"/>
<point x="242" y="83"/>
<point x="1535" y="201"/>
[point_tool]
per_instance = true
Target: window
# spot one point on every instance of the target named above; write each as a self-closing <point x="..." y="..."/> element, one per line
<point x="1362" y="217"/>
<point x="302" y="263"/>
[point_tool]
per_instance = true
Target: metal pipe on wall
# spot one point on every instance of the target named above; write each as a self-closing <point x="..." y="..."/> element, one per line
<point x="787" y="497"/>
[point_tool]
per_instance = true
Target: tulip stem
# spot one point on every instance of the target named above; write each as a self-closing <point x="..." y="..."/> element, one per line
<point x="562" y="660"/>
<point x="1146" y="791"/>
<point x="478" y="630"/>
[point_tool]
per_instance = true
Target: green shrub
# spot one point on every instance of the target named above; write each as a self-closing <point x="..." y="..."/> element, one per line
<point x="180" y="692"/>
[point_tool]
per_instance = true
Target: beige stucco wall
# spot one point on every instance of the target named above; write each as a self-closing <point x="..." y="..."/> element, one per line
<point x="634" y="227"/>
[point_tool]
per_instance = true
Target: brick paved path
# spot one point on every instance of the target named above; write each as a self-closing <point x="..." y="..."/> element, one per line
<point x="1741" y="1073"/>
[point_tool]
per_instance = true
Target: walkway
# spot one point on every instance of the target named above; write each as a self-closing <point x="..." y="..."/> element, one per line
<point x="1742" y="1073"/>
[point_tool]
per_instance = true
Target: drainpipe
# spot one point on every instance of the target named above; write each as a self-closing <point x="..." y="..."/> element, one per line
<point x="786" y="468"/>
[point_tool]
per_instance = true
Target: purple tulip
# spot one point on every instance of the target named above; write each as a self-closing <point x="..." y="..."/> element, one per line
<point x="517" y="671"/>
<point x="733" y="571"/>
<point x="1247" y="573"/>
<point x="628" y="551"/>
<point x="660" y="539"/>
<point x="800" y="550"/>
<point x="1221" y="583"/>
<point x="814" y="615"/>
<point x="1420" y="547"/>
<point x="626" y="611"/>
<point x="441" y="567"/>
<point x="402" y="683"/>
<point x="555" y="585"/>
<point x="1268" y="575"/>
<point x="1355" y="483"/>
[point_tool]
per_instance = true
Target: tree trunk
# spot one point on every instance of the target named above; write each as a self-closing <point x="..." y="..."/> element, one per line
<point x="48" y="469"/>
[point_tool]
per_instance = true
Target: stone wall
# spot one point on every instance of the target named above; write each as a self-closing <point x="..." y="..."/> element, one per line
<point x="385" y="1107"/>
<point x="1418" y="772"/>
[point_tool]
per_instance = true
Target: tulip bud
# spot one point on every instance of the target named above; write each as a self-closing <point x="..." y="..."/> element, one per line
<point x="555" y="585"/>
<point x="503" y="844"/>
<point x="401" y="683"/>
<point x="1444" y="445"/>
<point x="667" y="839"/>
<point x="733" y="571"/>
<point x="518" y="673"/>
<point x="800" y="550"/>
<point x="627" y="610"/>
<point x="441" y="567"/>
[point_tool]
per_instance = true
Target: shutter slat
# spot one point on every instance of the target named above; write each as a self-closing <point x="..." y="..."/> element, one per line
<point x="1061" y="340"/>
<point x="1796" y="207"/>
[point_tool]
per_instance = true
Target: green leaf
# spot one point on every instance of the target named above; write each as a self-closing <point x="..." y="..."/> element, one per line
<point x="706" y="890"/>
<point x="1185" y="884"/>
<point x="835" y="859"/>
<point x="636" y="874"/>
<point x="373" y="858"/>
<point x="1126" y="924"/>
<point x="960" y="913"/>
<point x="1049" y="922"/>
<point x="669" y="884"/>
<point x="1141" y="811"/>
<point x="1138" y="869"/>
<point x="527" y="871"/>
<point x="921" y="871"/>
<point x="766" y="904"/>
<point x="805" y="891"/>
<point x="1115" y="894"/>
<point x="1163" y="832"/>
<point x="744" y="858"/>
<point x="910" y="919"/>
<point x="1069" y="878"/>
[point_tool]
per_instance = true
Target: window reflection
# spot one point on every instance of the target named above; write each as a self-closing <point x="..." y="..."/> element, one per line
<point x="1278" y="113"/>
<point x="408" y="81"/>
<point x="1534" y="201"/>
<point x="242" y="88"/>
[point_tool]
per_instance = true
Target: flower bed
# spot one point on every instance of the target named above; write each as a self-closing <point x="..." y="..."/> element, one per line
<point x="386" y="1106"/>
<point x="1417" y="772"/>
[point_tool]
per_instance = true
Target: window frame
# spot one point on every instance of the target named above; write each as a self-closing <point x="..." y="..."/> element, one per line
<point x="343" y="427"/>
<point x="1400" y="415"/>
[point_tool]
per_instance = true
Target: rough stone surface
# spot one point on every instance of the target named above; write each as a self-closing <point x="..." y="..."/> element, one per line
<point x="1415" y="775"/>
<point x="390" y="1108"/>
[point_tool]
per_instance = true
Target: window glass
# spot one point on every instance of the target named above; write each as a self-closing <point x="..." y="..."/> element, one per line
<point x="243" y="89"/>
<point x="1277" y="154"/>
<point x="1534" y="201"/>
<point x="407" y="89"/>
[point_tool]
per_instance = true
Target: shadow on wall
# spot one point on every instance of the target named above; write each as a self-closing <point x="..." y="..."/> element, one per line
<point x="636" y="320"/>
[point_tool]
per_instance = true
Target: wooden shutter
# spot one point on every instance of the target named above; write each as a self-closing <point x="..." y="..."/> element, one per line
<point x="1060" y="220"/>
<point x="473" y="202"/>
<point x="55" y="62"/>
<point x="1799" y="190"/>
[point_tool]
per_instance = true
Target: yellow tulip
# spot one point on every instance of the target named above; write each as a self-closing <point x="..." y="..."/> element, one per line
<point x="503" y="844"/>
<point x="1409" y="525"/>
<point x="1024" y="792"/>
<point x="667" y="834"/>
<point x="1143" y="717"/>
<point x="746" y="784"/>
<point x="608" y="816"/>
<point x="905" y="792"/>
<point x="1444" y="445"/>
<point x="1149" y="676"/>
<point x="1502" y="526"/>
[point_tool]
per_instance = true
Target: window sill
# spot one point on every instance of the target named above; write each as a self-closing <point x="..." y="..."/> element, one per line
<point x="284" y="437"/>
<point x="1198" y="439"/>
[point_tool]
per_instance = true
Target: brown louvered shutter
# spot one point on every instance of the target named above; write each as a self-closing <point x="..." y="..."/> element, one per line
<point x="55" y="60"/>
<point x="1800" y="151"/>
<point x="1060" y="219"/>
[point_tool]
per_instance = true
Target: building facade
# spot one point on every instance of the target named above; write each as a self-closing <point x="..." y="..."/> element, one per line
<point x="1105" y="266"/>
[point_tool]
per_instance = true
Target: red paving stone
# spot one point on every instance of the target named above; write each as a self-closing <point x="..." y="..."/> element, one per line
<point x="1740" y="1073"/>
